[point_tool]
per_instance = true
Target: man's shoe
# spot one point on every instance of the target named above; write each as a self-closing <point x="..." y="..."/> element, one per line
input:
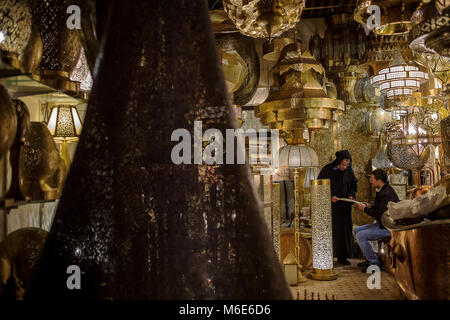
<point x="364" y="264"/>
<point x="344" y="262"/>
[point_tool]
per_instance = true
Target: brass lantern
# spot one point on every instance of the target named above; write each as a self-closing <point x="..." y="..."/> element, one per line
<point x="291" y="269"/>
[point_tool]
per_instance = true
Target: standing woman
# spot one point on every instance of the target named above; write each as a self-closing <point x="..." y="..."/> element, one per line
<point x="343" y="185"/>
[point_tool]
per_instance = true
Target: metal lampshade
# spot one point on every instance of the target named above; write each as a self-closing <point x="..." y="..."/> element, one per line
<point x="64" y="123"/>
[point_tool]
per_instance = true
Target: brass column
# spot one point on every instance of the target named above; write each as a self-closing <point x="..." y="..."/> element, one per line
<point x="297" y="185"/>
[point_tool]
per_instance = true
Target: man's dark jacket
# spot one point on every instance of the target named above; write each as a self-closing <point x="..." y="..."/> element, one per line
<point x="386" y="194"/>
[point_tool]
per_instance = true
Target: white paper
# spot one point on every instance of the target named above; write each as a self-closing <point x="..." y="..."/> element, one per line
<point x="349" y="200"/>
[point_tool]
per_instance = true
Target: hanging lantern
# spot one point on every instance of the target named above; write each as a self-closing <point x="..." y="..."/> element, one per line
<point x="298" y="100"/>
<point x="380" y="50"/>
<point x="399" y="79"/>
<point x="264" y="18"/>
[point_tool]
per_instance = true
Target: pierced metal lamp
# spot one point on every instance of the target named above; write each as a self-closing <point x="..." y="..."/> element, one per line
<point x="65" y="125"/>
<point x="322" y="242"/>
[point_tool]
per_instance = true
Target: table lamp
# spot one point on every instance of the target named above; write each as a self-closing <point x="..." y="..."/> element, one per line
<point x="65" y="125"/>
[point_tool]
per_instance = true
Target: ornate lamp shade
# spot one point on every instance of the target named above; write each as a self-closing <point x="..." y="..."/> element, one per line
<point x="15" y="29"/>
<point x="64" y="123"/>
<point x="322" y="245"/>
<point x="298" y="156"/>
<point x="399" y="79"/>
<point x="264" y="19"/>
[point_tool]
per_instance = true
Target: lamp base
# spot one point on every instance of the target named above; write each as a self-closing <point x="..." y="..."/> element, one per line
<point x="323" y="275"/>
<point x="300" y="277"/>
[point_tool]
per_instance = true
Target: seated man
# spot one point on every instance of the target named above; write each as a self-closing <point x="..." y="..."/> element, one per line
<point x="375" y="231"/>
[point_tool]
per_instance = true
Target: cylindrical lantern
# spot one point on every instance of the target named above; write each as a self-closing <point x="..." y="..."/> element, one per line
<point x="322" y="243"/>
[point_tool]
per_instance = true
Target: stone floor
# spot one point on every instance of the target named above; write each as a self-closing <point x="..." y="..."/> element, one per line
<point x="351" y="284"/>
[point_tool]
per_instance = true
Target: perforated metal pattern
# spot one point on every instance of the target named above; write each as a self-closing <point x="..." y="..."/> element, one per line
<point x="15" y="25"/>
<point x="137" y="225"/>
<point x="61" y="45"/>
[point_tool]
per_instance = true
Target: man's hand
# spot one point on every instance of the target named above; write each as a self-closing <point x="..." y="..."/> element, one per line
<point x="351" y="198"/>
<point x="367" y="204"/>
<point x="334" y="199"/>
<point x="361" y="206"/>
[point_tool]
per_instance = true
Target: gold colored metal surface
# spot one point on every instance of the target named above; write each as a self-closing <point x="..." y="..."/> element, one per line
<point x="287" y="244"/>
<point x="38" y="161"/>
<point x="8" y="122"/>
<point x="420" y="261"/>
<point x="290" y="259"/>
<point x="431" y="34"/>
<point x="15" y="25"/>
<point x="264" y="19"/>
<point x="323" y="275"/>
<point x="20" y="252"/>
<point x="59" y="80"/>
<point x="272" y="49"/>
<point x="320" y="182"/>
<point x="380" y="51"/>
<point x="395" y="15"/>
<point x="298" y="99"/>
<point x="32" y="54"/>
<point x="23" y="127"/>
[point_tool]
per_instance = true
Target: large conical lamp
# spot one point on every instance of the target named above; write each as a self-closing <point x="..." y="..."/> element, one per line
<point x="137" y="225"/>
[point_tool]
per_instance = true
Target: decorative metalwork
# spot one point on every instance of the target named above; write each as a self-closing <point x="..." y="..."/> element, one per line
<point x="395" y="15"/>
<point x="445" y="132"/>
<point x="432" y="33"/>
<point x="81" y="73"/>
<point x="264" y="18"/>
<point x="8" y="122"/>
<point x="119" y="218"/>
<point x="240" y="64"/>
<point x="400" y="79"/>
<point x="322" y="242"/>
<point x="61" y="45"/>
<point x="32" y="54"/>
<point x="380" y="51"/>
<point x="276" y="223"/>
<point x="23" y="127"/>
<point x="298" y="100"/>
<point x="38" y="161"/>
<point x="15" y="25"/>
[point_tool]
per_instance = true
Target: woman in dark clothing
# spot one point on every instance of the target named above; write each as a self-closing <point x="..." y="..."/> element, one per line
<point x="343" y="185"/>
